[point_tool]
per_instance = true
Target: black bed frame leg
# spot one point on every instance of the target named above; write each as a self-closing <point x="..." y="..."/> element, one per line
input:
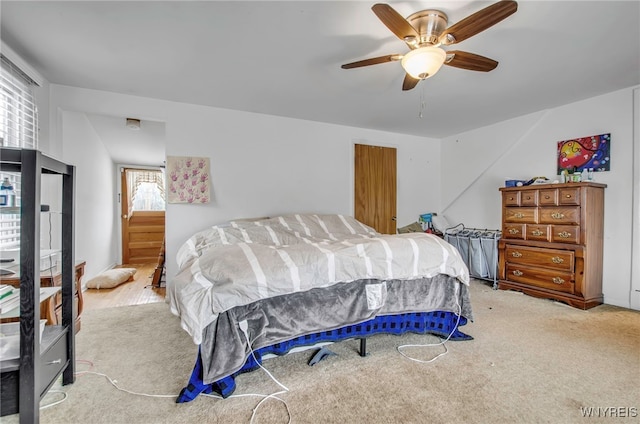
<point x="363" y="346"/>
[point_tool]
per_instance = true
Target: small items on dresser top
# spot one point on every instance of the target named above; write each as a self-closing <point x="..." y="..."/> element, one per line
<point x="574" y="175"/>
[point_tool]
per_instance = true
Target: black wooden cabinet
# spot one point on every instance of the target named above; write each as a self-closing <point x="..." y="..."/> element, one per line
<point x="24" y="381"/>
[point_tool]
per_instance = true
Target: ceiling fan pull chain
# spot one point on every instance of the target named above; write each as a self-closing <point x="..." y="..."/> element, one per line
<point x="422" y="102"/>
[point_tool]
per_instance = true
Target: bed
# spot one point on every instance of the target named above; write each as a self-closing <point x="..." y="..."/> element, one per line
<point x="272" y="285"/>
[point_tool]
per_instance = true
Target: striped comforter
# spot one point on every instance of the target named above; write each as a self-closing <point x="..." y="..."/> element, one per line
<point x="244" y="261"/>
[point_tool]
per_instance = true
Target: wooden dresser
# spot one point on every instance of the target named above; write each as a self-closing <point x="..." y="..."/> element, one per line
<point x="552" y="238"/>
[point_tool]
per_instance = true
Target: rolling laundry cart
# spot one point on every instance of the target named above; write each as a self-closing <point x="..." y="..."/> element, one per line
<point x="479" y="250"/>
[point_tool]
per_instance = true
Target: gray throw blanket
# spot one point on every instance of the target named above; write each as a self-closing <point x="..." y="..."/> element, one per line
<point x="224" y="348"/>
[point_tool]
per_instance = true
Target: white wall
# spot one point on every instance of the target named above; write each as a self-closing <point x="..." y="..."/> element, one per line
<point x="476" y="163"/>
<point x="261" y="165"/>
<point x="94" y="194"/>
<point x="635" y="249"/>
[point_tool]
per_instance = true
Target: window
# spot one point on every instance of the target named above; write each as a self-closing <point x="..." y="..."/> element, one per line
<point x="146" y="190"/>
<point x="18" y="115"/>
<point x="18" y="128"/>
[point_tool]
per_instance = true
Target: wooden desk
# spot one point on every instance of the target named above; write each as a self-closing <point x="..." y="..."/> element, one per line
<point x="51" y="309"/>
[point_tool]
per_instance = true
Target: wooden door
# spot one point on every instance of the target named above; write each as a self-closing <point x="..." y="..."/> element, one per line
<point x="375" y="187"/>
<point x="142" y="231"/>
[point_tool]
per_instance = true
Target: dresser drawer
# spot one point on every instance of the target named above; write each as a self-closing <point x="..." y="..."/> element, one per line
<point x="565" y="234"/>
<point x="549" y="258"/>
<point x="569" y="196"/>
<point x="548" y="197"/>
<point x="514" y="231"/>
<point x="53" y="361"/>
<point x="524" y="215"/>
<point x="538" y="232"/>
<point x="511" y="198"/>
<point x="540" y="277"/>
<point x="529" y="198"/>
<point x="558" y="215"/>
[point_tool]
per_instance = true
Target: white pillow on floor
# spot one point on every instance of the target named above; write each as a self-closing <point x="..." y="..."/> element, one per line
<point x="111" y="278"/>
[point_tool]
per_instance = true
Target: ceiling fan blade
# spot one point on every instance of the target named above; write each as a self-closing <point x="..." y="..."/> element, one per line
<point x="470" y="61"/>
<point x="372" y="61"/>
<point x="394" y="21"/>
<point x="409" y="82"/>
<point x="478" y="22"/>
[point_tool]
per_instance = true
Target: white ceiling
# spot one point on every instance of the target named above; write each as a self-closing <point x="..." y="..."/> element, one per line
<point x="145" y="146"/>
<point x="283" y="58"/>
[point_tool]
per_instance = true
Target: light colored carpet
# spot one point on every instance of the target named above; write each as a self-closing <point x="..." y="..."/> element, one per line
<point x="532" y="360"/>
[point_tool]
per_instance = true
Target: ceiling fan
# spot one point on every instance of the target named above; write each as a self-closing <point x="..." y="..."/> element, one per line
<point x="425" y="31"/>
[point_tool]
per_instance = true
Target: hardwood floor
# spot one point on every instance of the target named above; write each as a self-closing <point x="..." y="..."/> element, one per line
<point x="136" y="292"/>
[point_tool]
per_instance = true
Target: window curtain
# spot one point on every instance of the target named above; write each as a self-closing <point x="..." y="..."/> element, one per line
<point x="136" y="179"/>
<point x="19" y="129"/>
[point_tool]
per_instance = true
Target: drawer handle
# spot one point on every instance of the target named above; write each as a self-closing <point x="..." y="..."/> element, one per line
<point x="557" y="215"/>
<point x="517" y="273"/>
<point x="528" y="197"/>
<point x="557" y="280"/>
<point x="518" y="215"/>
<point x="516" y="254"/>
<point x="557" y="260"/>
<point x="547" y="197"/>
<point x="57" y="361"/>
<point x="568" y="196"/>
<point x="564" y="234"/>
<point x="537" y="232"/>
<point x="513" y="231"/>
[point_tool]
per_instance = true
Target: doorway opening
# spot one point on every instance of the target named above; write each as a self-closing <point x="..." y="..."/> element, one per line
<point x="142" y="214"/>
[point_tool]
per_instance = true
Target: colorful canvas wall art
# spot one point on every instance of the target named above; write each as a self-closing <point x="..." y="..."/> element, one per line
<point x="188" y="179"/>
<point x="586" y="152"/>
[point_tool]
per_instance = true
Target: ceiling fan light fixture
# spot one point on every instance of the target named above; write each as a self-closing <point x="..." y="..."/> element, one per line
<point x="423" y="62"/>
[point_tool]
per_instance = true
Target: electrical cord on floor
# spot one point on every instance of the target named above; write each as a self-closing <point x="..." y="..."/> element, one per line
<point x="114" y="383"/>
<point x="57" y="402"/>
<point x="446" y="350"/>
<point x="244" y="326"/>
